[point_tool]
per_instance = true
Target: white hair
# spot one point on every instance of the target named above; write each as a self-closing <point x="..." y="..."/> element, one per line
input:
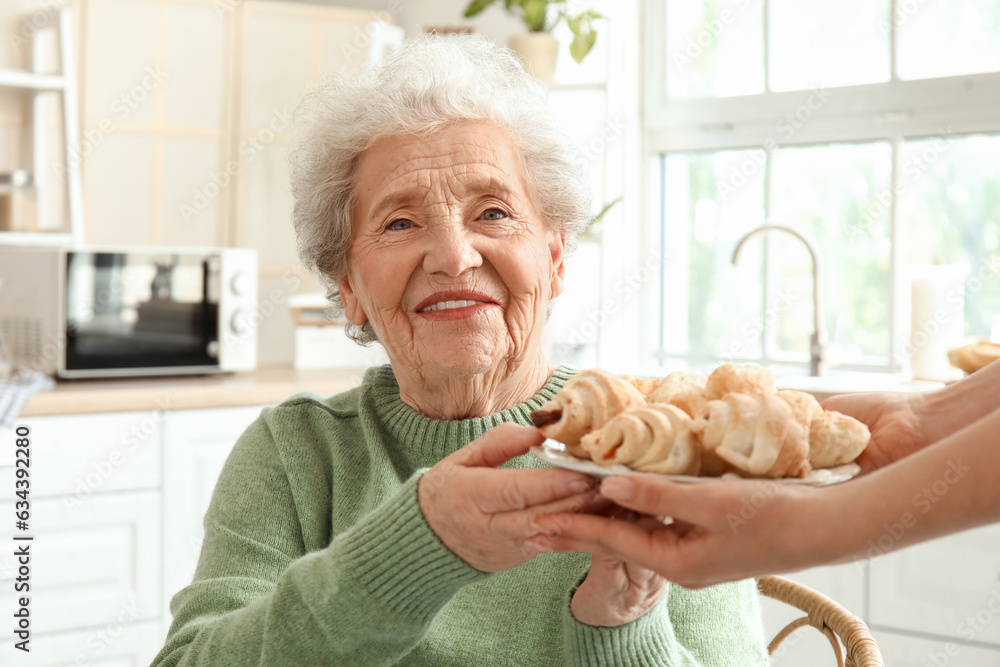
<point x="428" y="83"/>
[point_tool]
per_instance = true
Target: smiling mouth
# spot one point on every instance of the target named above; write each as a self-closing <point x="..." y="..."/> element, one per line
<point x="459" y="304"/>
<point x="449" y="305"/>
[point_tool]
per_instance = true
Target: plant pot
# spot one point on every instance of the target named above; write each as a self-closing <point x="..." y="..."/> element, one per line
<point x="538" y="52"/>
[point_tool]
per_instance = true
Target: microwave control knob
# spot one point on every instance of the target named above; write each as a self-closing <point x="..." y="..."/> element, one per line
<point x="238" y="322"/>
<point x="240" y="283"/>
<point x="212" y="349"/>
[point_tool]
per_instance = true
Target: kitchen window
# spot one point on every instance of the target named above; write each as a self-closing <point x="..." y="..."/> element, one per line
<point x="871" y="125"/>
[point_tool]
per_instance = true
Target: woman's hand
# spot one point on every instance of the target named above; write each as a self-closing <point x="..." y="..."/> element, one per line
<point x="893" y="419"/>
<point x="721" y="531"/>
<point x="485" y="515"/>
<point x="615" y="591"/>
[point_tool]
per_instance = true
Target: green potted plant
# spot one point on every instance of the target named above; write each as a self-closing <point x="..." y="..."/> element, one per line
<point x="538" y="49"/>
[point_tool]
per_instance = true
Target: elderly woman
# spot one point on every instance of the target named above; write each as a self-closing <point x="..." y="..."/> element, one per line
<point x="394" y="523"/>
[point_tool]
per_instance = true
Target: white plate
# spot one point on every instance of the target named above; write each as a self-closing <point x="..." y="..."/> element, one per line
<point x="554" y="453"/>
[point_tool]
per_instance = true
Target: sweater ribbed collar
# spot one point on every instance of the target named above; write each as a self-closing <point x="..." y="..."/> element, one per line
<point x="429" y="440"/>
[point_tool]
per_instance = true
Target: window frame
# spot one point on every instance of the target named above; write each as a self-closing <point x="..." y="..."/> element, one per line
<point x="895" y="111"/>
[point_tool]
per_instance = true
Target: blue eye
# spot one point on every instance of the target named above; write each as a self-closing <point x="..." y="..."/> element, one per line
<point x="494" y="214"/>
<point x="399" y="225"/>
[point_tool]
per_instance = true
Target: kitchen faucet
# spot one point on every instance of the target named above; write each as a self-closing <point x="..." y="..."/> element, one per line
<point x="817" y="347"/>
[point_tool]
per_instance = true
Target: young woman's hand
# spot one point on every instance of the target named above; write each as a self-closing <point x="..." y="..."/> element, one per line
<point x="721" y="531"/>
<point x="892" y="418"/>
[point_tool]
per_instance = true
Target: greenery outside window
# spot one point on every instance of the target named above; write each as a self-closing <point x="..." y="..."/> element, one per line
<point x="871" y="125"/>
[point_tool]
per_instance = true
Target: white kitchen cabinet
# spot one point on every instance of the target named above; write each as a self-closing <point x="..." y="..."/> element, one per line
<point x="90" y="564"/>
<point x="933" y="604"/>
<point x="123" y="643"/>
<point x="116" y="199"/>
<point x="74" y="457"/>
<point x="121" y="43"/>
<point x="95" y="515"/>
<point x="194" y="47"/>
<point x="196" y="444"/>
<point x="948" y="587"/>
<point x="156" y="121"/>
<point x="117" y="501"/>
<point x="189" y="205"/>
<point x="899" y="650"/>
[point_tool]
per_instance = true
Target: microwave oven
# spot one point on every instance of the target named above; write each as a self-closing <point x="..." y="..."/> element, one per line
<point x="106" y="311"/>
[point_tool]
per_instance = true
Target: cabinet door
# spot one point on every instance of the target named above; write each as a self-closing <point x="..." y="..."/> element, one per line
<point x="192" y="175"/>
<point x="197" y="443"/>
<point x="905" y="651"/>
<point x="154" y="122"/>
<point x="74" y="457"/>
<point x="91" y="565"/>
<point x="118" y="92"/>
<point x="117" y="644"/>
<point x="948" y="587"/>
<point x="284" y="50"/>
<point x="845" y="584"/>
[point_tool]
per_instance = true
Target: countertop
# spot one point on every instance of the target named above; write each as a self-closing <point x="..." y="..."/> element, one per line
<point x="265" y="386"/>
<point x="271" y="384"/>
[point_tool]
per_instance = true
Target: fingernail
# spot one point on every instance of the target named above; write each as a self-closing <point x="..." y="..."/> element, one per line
<point x="579" y="486"/>
<point x="618" y="488"/>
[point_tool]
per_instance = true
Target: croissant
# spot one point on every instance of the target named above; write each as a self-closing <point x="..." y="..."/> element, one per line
<point x="645" y="385"/>
<point x="836" y="439"/>
<point x="652" y="438"/>
<point x="685" y="390"/>
<point x="974" y="355"/>
<point x="756" y="434"/>
<point x="738" y="379"/>
<point x="804" y="405"/>
<point x="586" y="403"/>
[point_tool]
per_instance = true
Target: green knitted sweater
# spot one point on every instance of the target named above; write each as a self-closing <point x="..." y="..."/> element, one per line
<point x="316" y="553"/>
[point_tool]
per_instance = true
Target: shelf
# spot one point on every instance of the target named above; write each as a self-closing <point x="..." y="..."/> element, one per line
<point x="64" y="83"/>
<point x="13" y="78"/>
<point x="36" y="238"/>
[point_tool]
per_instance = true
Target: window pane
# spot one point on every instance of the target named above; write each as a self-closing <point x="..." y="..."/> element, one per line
<point x="833" y="193"/>
<point x="593" y="132"/>
<point x="572" y="328"/>
<point x="944" y="38"/>
<point x="715" y="48"/>
<point x="949" y="194"/>
<point x="711" y="200"/>
<point x="822" y="43"/>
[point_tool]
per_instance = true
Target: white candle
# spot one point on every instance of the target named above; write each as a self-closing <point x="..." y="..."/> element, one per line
<point x="937" y="319"/>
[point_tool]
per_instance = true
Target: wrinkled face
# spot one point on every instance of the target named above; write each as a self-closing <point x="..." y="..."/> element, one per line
<point x="450" y="261"/>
